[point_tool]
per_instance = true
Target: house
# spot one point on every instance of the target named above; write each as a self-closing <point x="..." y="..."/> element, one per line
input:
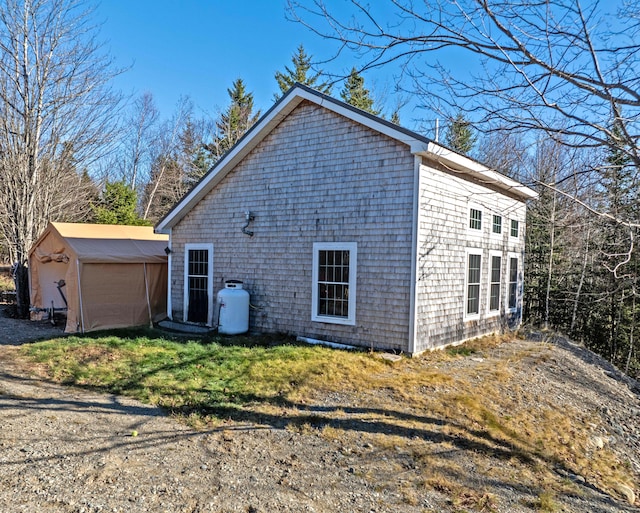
<point x="102" y="276"/>
<point x="347" y="228"/>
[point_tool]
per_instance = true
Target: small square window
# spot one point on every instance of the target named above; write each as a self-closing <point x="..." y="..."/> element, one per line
<point x="496" y="227"/>
<point x="515" y="227"/>
<point x="475" y="219"/>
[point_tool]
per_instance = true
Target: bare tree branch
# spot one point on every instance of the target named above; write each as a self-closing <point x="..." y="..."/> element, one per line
<point x="56" y="114"/>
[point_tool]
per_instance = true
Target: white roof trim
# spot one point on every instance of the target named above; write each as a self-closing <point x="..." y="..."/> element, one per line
<point x="418" y="145"/>
<point x="470" y="167"/>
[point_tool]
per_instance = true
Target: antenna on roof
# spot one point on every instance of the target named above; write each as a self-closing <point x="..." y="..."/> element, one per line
<point x="437" y="128"/>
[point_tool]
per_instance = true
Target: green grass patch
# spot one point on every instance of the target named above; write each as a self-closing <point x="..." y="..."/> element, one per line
<point x="419" y="408"/>
<point x="195" y="375"/>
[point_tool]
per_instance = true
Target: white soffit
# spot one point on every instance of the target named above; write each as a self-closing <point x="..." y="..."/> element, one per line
<point x="459" y="163"/>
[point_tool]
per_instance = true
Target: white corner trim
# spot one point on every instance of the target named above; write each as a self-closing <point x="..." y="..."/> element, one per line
<point x="169" y="276"/>
<point x="415" y="260"/>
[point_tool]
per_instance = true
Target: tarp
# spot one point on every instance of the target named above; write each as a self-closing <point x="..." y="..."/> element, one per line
<point x="114" y="276"/>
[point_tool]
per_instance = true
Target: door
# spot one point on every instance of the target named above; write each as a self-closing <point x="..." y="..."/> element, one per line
<point x="198" y="283"/>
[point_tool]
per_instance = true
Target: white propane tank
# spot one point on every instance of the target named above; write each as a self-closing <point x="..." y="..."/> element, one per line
<point x="233" y="308"/>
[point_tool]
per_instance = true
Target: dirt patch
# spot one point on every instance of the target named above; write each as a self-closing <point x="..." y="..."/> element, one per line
<point x="66" y="449"/>
<point x="19" y="331"/>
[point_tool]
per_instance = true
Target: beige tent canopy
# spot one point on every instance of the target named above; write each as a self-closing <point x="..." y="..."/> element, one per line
<point x="113" y="276"/>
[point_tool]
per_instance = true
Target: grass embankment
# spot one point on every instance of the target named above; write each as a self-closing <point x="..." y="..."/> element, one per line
<point x="424" y="409"/>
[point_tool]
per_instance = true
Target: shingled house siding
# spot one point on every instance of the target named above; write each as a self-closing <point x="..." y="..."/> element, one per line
<point x="317" y="177"/>
<point x="444" y="237"/>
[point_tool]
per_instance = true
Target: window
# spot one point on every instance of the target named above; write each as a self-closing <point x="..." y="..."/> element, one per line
<point x="513" y="283"/>
<point x="515" y="226"/>
<point x="496" y="227"/>
<point x="474" y="262"/>
<point x="475" y="219"/>
<point x="495" y="279"/>
<point x="334" y="282"/>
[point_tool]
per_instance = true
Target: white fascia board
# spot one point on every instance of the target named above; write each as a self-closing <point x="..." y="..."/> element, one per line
<point x="468" y="166"/>
<point x="368" y="121"/>
<point x="228" y="162"/>
<point x="270" y="120"/>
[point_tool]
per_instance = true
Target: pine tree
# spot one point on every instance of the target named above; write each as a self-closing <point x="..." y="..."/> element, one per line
<point x="118" y="206"/>
<point x="354" y="93"/>
<point x="235" y="120"/>
<point x="460" y="135"/>
<point x="301" y="66"/>
<point x="619" y="260"/>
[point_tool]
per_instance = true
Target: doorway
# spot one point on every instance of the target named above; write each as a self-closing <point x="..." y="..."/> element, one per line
<point x="198" y="283"/>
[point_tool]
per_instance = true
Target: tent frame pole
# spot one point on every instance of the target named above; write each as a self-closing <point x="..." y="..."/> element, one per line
<point x="80" y="297"/>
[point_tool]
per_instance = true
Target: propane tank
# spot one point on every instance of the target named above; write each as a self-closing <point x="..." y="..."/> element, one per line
<point x="233" y="308"/>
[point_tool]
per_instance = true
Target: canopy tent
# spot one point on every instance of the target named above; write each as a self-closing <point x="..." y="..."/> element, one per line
<point x="112" y="276"/>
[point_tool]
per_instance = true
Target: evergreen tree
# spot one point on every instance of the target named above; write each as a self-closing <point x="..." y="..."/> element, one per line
<point x="118" y="206"/>
<point x="301" y="66"/>
<point x="460" y="135"/>
<point x="192" y="152"/>
<point x="620" y="262"/>
<point x="354" y="93"/>
<point x="235" y="120"/>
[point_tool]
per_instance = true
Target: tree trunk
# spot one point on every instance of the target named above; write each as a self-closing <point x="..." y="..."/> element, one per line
<point x="580" y="284"/>
<point x="631" y="335"/>
<point x="547" y="300"/>
<point x="21" y="280"/>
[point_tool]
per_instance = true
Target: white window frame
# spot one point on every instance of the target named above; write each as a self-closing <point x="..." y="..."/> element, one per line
<point x="476" y="315"/>
<point x="352" y="247"/>
<point x="508" y="281"/>
<point x="511" y="228"/>
<point x="496" y="234"/>
<point x="475" y="231"/>
<point x="490" y="282"/>
<point x="185" y="297"/>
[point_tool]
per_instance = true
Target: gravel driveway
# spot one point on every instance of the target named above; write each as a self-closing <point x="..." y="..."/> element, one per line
<point x="71" y="450"/>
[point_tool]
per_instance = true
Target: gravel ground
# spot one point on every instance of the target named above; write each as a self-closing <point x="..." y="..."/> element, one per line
<point x="66" y="449"/>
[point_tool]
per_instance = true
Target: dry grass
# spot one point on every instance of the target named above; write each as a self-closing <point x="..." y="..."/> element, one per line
<point x="415" y="416"/>
<point x="6" y="282"/>
<point x="487" y="407"/>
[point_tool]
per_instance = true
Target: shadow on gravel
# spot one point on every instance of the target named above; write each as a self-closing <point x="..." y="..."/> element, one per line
<point x="250" y="415"/>
<point x="299" y="415"/>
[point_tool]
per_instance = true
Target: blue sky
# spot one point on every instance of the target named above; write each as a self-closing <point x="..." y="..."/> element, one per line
<point x="197" y="48"/>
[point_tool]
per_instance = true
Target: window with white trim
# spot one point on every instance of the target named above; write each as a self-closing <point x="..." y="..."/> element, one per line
<point x="475" y="219"/>
<point x="515" y="228"/>
<point x="496" y="225"/>
<point x="472" y="296"/>
<point x="495" y="282"/>
<point x="334" y="282"/>
<point x="512" y="298"/>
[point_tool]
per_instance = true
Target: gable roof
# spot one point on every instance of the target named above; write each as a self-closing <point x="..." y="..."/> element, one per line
<point x="418" y="145"/>
<point x="106" y="243"/>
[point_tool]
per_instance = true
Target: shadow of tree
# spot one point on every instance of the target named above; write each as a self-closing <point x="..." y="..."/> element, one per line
<point x="256" y="412"/>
